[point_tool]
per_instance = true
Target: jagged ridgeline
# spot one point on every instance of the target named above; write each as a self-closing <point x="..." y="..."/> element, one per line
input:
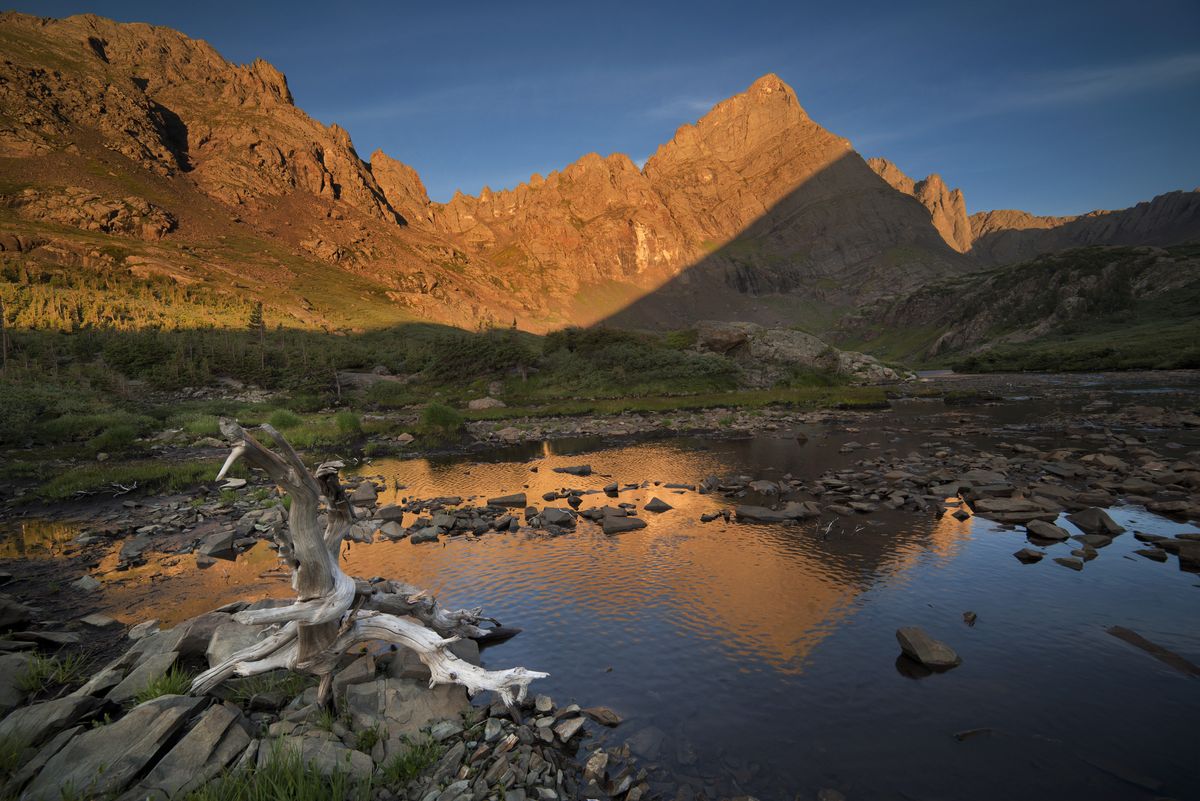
<point x="150" y="185"/>
<point x="1084" y="309"/>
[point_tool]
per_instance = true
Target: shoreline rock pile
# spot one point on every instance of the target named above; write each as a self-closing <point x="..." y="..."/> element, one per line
<point x="118" y="735"/>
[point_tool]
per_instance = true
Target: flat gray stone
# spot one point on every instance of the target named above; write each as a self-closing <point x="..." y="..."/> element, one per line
<point x="1046" y="531"/>
<point x="1029" y="555"/>
<point x="558" y="517"/>
<point x="104" y="680"/>
<point x="218" y="738"/>
<point x="391" y="513"/>
<point x="357" y="672"/>
<point x="658" y="505"/>
<point x="569" y="728"/>
<point x="86" y="584"/>
<point x="404" y="706"/>
<point x="38" y="722"/>
<point x="445" y="729"/>
<point x="364" y="493"/>
<point x="790" y="511"/>
<point x="427" y="534"/>
<point x="392" y="530"/>
<point x="143" y="629"/>
<point x="219" y="545"/>
<point x="925" y="649"/>
<point x="229" y="638"/>
<point x="515" y="500"/>
<point x="149" y="670"/>
<point x="106" y="759"/>
<point x="11" y="668"/>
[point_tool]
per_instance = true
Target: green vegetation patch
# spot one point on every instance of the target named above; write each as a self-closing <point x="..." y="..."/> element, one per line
<point x="149" y="476"/>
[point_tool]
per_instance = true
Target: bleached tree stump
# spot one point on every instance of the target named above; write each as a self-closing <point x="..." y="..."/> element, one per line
<point x="333" y="613"/>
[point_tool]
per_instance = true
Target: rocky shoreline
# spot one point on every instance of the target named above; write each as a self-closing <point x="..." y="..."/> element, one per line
<point x="1076" y="462"/>
<point x="119" y="734"/>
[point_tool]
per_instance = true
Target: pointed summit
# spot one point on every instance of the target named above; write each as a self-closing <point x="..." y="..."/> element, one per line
<point x="735" y="127"/>
<point x="771" y="84"/>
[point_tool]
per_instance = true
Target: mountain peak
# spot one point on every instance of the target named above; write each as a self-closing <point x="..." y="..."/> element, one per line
<point x="770" y="84"/>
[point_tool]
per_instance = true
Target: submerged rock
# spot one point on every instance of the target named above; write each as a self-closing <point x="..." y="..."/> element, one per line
<point x="1029" y="555"/>
<point x="619" y="525"/>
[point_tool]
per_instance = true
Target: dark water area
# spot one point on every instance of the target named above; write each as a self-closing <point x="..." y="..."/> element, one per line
<point x="762" y="659"/>
<point x="766" y="654"/>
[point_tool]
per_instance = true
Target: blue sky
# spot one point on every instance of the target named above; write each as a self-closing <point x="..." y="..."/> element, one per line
<point x="1054" y="107"/>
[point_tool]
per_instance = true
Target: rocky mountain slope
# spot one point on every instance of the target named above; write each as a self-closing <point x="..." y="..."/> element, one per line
<point x="1086" y="308"/>
<point x="947" y="208"/>
<point x="266" y="202"/>
<point x="1006" y="237"/>
<point x="752" y="213"/>
<point x="1009" y="236"/>
<point x="164" y="186"/>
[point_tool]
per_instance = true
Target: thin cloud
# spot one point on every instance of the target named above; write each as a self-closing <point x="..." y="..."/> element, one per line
<point x="1078" y="86"/>
<point x="681" y="108"/>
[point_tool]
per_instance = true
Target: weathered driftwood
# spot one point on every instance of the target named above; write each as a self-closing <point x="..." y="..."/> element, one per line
<point x="332" y="612"/>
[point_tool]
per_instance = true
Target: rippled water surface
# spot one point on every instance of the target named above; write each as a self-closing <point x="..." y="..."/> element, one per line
<point x="766" y="654"/>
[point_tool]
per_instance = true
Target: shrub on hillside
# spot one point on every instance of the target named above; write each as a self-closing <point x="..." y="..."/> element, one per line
<point x="440" y="419"/>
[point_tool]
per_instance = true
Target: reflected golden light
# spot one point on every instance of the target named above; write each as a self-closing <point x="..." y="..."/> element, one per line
<point x="769" y="592"/>
<point x="36" y="539"/>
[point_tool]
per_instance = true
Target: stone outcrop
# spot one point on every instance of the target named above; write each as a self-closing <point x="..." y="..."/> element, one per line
<point x="767" y="355"/>
<point x="403" y="189"/>
<point x="947" y="208"/>
<point x="80" y="208"/>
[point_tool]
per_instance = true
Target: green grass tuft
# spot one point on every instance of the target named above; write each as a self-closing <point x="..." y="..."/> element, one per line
<point x="283" y="419"/>
<point x="51" y="672"/>
<point x="284" y="776"/>
<point x="418" y="757"/>
<point x="441" y="420"/>
<point x="348" y="423"/>
<point x="282" y="681"/>
<point x="175" y="681"/>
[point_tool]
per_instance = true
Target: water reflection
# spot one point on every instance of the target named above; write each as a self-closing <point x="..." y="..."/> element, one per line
<point x="768" y="593"/>
<point x="35" y="539"/>
<point x="171" y="588"/>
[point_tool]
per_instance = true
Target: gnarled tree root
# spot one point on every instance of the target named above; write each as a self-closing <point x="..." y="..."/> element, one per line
<point x="333" y="612"/>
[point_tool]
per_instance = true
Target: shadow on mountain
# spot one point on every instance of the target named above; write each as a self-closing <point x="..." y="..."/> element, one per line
<point x="841" y="237"/>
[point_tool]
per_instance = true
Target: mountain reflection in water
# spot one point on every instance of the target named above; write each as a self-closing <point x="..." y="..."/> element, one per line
<point x="766" y="654"/>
